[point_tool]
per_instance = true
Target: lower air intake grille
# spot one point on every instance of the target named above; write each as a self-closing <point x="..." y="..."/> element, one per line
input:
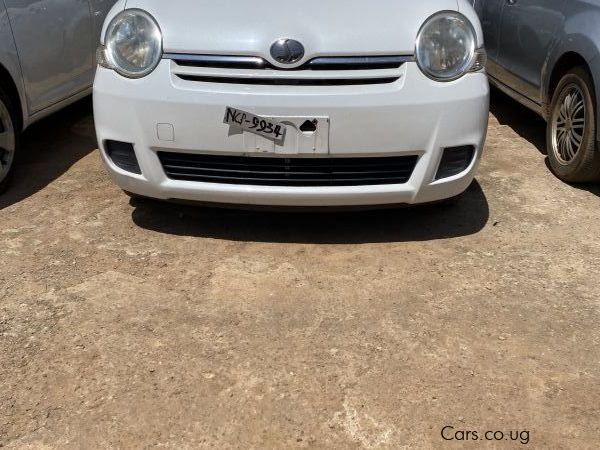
<point x="123" y="156"/>
<point x="455" y="160"/>
<point x="263" y="171"/>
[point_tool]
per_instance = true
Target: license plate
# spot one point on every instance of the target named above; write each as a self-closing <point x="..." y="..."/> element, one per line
<point x="262" y="126"/>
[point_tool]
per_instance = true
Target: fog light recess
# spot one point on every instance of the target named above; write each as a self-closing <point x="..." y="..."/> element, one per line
<point x="123" y="156"/>
<point x="455" y="160"/>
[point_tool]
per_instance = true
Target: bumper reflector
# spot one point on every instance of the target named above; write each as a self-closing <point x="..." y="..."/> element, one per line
<point x="123" y="156"/>
<point x="455" y="160"/>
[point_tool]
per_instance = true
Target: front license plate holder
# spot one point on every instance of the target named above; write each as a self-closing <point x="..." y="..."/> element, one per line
<point x="304" y="135"/>
<point x="264" y="127"/>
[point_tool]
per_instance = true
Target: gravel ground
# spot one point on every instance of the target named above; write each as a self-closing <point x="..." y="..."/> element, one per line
<point x="128" y="324"/>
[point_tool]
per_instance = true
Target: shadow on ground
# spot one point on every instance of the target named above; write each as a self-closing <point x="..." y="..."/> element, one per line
<point x="522" y="120"/>
<point x="49" y="148"/>
<point x="465" y="216"/>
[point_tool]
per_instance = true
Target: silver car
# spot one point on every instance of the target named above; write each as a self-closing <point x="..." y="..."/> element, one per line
<point x="47" y="61"/>
<point x="546" y="55"/>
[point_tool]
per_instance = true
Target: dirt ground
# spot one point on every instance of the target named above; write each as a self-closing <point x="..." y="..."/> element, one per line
<point x="129" y="324"/>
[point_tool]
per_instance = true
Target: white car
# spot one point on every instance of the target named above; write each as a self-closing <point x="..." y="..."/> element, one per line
<point x="312" y="103"/>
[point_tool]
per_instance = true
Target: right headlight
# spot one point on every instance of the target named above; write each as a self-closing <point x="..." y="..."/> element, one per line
<point x="132" y="45"/>
<point x="447" y="47"/>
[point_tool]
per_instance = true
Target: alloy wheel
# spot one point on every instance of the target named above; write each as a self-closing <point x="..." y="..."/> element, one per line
<point x="7" y="142"/>
<point x="568" y="124"/>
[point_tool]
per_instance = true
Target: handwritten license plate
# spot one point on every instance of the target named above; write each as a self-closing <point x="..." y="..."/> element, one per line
<point x="251" y="123"/>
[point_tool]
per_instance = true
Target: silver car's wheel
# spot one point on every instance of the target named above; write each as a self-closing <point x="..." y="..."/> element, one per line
<point x="568" y="125"/>
<point x="7" y="141"/>
<point x="572" y="152"/>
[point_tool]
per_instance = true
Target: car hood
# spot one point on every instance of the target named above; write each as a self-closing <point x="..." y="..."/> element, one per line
<point x="325" y="27"/>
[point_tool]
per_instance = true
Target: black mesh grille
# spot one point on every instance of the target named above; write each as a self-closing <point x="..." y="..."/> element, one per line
<point x="280" y="171"/>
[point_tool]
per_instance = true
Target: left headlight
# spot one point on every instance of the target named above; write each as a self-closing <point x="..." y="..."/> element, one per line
<point x="132" y="45"/>
<point x="447" y="47"/>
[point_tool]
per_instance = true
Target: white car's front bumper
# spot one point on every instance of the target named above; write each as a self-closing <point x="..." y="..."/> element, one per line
<point x="411" y="116"/>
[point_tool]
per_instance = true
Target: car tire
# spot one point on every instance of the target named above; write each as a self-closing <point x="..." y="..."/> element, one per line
<point x="571" y="131"/>
<point x="9" y="139"/>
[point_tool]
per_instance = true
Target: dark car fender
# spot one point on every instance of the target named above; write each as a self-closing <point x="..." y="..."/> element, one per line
<point x="580" y="36"/>
<point x="10" y="69"/>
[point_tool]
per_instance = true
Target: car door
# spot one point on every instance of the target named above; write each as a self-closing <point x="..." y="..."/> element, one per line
<point x="527" y="33"/>
<point x="54" y="43"/>
<point x="490" y="15"/>
<point x="100" y="9"/>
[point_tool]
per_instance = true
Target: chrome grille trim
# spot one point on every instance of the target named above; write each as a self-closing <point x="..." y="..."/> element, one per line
<point x="358" y="62"/>
<point x="217" y="61"/>
<point x="319" y="63"/>
<point x="289" y="81"/>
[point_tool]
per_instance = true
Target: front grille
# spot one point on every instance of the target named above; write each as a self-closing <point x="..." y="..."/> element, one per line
<point x="289" y="81"/>
<point x="321" y="71"/>
<point x="281" y="171"/>
<point x="321" y="63"/>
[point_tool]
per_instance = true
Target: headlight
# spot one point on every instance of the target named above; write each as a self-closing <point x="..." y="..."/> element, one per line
<point x="133" y="44"/>
<point x="447" y="47"/>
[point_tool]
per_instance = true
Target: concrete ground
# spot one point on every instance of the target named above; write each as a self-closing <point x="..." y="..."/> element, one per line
<point x="139" y="324"/>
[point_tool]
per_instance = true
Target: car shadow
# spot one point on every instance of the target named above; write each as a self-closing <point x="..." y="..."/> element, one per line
<point x="465" y="216"/>
<point x="49" y="148"/>
<point x="530" y="127"/>
<point x="527" y="124"/>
